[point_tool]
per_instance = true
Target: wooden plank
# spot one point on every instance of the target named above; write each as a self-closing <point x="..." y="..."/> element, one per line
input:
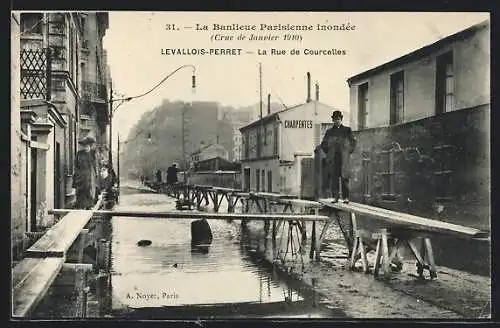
<point x="229" y="190"/>
<point x="205" y="215"/>
<point x="303" y="202"/>
<point x="403" y="219"/>
<point x="58" y="239"/>
<point x="31" y="279"/>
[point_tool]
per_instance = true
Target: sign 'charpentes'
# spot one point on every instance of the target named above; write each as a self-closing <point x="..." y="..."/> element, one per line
<point x="298" y="124"/>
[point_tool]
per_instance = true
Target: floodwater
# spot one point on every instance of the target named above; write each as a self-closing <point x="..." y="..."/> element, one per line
<point x="169" y="280"/>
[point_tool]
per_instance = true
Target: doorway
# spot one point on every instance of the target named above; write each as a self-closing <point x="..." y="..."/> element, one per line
<point x="246" y="179"/>
<point x="57" y="176"/>
<point x="269" y="181"/>
<point x="33" y="191"/>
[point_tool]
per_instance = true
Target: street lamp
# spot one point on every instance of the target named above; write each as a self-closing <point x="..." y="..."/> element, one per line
<point x="123" y="100"/>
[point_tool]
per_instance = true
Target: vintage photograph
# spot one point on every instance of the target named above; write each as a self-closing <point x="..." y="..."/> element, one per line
<point x="269" y="165"/>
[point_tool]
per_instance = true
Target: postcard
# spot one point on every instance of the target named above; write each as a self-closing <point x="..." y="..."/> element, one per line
<point x="215" y="165"/>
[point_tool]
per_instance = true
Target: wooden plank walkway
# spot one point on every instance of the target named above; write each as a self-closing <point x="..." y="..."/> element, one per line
<point x="405" y="220"/>
<point x="205" y="215"/>
<point x="58" y="239"/>
<point x="393" y="218"/>
<point x="31" y="278"/>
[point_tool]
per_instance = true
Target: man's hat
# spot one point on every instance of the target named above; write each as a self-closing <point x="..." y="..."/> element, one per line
<point x="337" y="114"/>
<point x="88" y="140"/>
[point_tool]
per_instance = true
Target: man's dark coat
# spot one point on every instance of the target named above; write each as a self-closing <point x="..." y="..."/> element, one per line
<point x="338" y="141"/>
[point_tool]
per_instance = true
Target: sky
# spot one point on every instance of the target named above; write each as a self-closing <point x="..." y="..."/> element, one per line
<point x="134" y="43"/>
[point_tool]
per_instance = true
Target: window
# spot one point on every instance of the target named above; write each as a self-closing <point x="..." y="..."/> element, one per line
<point x="83" y="18"/>
<point x="397" y="98"/>
<point x="275" y="142"/>
<point x="362" y="106"/>
<point x="444" y="83"/>
<point x="257" y="180"/>
<point x="265" y="134"/>
<point x="388" y="175"/>
<point x="259" y="142"/>
<point x="246" y="177"/>
<point x="246" y="145"/>
<point x="270" y="181"/>
<point x="70" y="141"/>
<point x="366" y="175"/>
<point x="83" y="73"/>
<point x="444" y="158"/>
<point x="31" y="23"/>
<point x="71" y="54"/>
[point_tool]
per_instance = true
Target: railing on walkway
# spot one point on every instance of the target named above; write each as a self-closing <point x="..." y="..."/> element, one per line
<point x="33" y="276"/>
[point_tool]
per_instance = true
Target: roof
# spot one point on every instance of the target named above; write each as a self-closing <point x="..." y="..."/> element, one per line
<point x="270" y="117"/>
<point x="267" y="118"/>
<point x="215" y="158"/>
<point x="422" y="52"/>
<point x="199" y="150"/>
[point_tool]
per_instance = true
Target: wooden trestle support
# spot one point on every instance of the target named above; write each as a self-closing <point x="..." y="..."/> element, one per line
<point x="401" y="229"/>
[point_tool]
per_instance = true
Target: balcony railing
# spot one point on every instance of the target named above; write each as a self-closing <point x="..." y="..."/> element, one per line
<point x="94" y="92"/>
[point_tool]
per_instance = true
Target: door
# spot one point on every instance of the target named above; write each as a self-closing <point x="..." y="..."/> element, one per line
<point x="246" y="179"/>
<point x="57" y="176"/>
<point x="270" y="181"/>
<point x="33" y="190"/>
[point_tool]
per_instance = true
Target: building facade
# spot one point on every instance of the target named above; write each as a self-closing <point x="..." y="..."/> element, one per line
<point x="208" y="152"/>
<point x="448" y="75"/>
<point x="422" y="124"/>
<point x="274" y="146"/>
<point x="50" y="102"/>
<point x="94" y="80"/>
<point x="18" y="146"/>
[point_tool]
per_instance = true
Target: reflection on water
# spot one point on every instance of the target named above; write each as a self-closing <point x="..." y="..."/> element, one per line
<point x="144" y="276"/>
<point x="168" y="279"/>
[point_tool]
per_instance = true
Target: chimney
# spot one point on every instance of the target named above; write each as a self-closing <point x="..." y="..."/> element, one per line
<point x="317" y="91"/>
<point x="308" y="87"/>
<point x="268" y="104"/>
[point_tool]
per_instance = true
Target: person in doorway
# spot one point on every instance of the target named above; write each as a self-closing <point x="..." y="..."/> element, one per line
<point x="107" y="182"/>
<point x="171" y="178"/>
<point x="338" y="144"/>
<point x="159" y="177"/>
<point x="85" y="175"/>
<point x="172" y="174"/>
<point x="107" y="178"/>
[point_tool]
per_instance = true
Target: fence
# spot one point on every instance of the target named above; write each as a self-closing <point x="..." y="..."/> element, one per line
<point x="224" y="179"/>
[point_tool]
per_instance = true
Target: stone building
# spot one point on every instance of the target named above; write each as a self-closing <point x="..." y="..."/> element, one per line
<point x="422" y="124"/>
<point x="51" y="97"/>
<point x="18" y="190"/>
<point x="274" y="146"/>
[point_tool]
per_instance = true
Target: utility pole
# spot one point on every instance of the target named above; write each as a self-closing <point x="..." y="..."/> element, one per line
<point x="260" y="88"/>
<point x="110" y="156"/>
<point x="183" y="141"/>
<point x="118" y="169"/>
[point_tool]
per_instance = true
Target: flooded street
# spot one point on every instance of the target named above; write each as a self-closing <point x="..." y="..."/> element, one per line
<point x="167" y="279"/>
<point x="245" y="274"/>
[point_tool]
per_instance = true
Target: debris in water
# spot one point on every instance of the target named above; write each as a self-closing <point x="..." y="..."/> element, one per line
<point x="144" y="242"/>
